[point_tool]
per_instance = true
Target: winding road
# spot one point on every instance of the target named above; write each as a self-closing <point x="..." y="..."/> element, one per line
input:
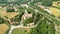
<point x="21" y="26"/>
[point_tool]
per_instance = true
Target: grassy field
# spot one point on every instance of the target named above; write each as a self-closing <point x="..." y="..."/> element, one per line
<point x="3" y="28"/>
<point x="20" y="31"/>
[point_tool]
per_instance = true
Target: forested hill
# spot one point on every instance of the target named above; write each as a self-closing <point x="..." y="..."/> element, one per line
<point x="24" y="1"/>
<point x="13" y="1"/>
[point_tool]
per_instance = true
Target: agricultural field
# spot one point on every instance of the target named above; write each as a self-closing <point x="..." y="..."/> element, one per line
<point x="8" y="14"/>
<point x="3" y="28"/>
<point x="55" y="11"/>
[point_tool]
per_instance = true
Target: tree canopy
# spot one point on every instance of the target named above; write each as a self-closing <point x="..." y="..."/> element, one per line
<point x="46" y="2"/>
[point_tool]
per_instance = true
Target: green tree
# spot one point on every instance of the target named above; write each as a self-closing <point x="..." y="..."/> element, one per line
<point x="3" y="1"/>
<point x="29" y="20"/>
<point x="10" y="9"/>
<point x="55" y="0"/>
<point x="44" y="27"/>
<point x="46" y="2"/>
<point x="3" y="21"/>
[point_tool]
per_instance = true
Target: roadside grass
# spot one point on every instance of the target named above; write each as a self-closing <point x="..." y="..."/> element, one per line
<point x="57" y="32"/>
<point x="3" y="28"/>
<point x="21" y="31"/>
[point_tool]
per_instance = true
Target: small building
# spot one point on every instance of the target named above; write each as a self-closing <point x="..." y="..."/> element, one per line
<point x="30" y="24"/>
<point x="25" y="5"/>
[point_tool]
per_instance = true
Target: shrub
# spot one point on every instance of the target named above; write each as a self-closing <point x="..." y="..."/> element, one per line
<point x="10" y="9"/>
